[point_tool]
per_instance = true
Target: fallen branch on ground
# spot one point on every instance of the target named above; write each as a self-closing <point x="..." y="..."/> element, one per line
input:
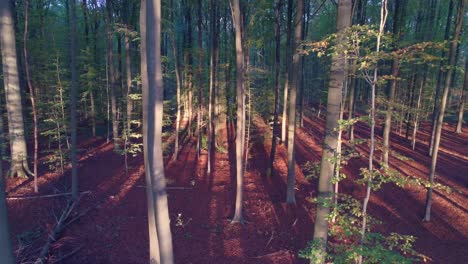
<point x="59" y="226"/>
<point x="14" y="198"/>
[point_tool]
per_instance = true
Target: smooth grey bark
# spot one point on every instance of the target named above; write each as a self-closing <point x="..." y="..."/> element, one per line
<point x="286" y="78"/>
<point x="278" y="10"/>
<point x="327" y="166"/>
<point x="31" y="93"/>
<point x="461" y="107"/>
<point x="73" y="98"/>
<point x="113" y="77"/>
<point x="397" y="22"/>
<point x="19" y="164"/>
<point x="240" y="122"/>
<point x="294" y="76"/>
<point x="154" y="112"/>
<point x="440" y="78"/>
<point x="153" y="236"/>
<point x="6" y="252"/>
<point x="440" y="119"/>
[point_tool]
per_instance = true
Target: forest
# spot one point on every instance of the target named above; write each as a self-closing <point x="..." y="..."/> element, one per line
<point x="233" y="131"/>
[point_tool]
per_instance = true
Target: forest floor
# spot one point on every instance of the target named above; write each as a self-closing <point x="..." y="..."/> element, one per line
<point x="115" y="229"/>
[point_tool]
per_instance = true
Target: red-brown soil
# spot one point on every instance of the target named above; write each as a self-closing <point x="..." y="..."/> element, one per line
<point x="115" y="229"/>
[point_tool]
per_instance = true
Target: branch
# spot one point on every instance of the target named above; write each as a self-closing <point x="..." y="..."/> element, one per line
<point x="15" y="198"/>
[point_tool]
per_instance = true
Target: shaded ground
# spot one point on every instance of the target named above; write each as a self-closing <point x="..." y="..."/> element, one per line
<point x="115" y="230"/>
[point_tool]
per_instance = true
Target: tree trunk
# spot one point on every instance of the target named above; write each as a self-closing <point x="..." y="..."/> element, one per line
<point x="19" y="155"/>
<point x="154" y="114"/>
<point x="128" y="71"/>
<point x="418" y="107"/>
<point x="31" y="92"/>
<point x="153" y="236"/>
<point x="113" y="78"/>
<point x="286" y="77"/>
<point x="440" y="78"/>
<point x="290" y="197"/>
<point x="240" y="122"/>
<point x="178" y="83"/>
<point x="199" y="79"/>
<point x="440" y="118"/>
<point x="389" y="112"/>
<point x="373" y="83"/>
<point x="6" y="252"/>
<point x="278" y="11"/>
<point x="461" y="108"/>
<point x="327" y="166"/>
<point x="73" y="99"/>
<point x="397" y="23"/>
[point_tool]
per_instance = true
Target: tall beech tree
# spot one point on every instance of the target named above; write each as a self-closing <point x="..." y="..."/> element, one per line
<point x="19" y="164"/>
<point x="440" y="118"/>
<point x="294" y="80"/>
<point x="153" y="236"/>
<point x="327" y="166"/>
<point x="73" y="99"/>
<point x="153" y="111"/>
<point x="278" y="9"/>
<point x="240" y="122"/>
<point x="112" y="75"/>
<point x="397" y="21"/>
<point x="461" y="107"/>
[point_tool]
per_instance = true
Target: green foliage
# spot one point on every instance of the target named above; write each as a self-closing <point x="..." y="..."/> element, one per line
<point x="344" y="245"/>
<point x="311" y="170"/>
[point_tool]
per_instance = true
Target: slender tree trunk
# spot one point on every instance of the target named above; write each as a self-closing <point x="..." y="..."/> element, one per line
<point x="19" y="164"/>
<point x="89" y="61"/>
<point x="397" y="24"/>
<point x="213" y="66"/>
<point x="154" y="114"/>
<point x="440" y="78"/>
<point x="179" y="106"/>
<point x="418" y="107"/>
<point x="113" y="78"/>
<point x="73" y="99"/>
<point x="6" y="252"/>
<point x="440" y="119"/>
<point x="327" y="166"/>
<point x="31" y="91"/>
<point x="278" y="11"/>
<point x="389" y="112"/>
<point x="128" y="71"/>
<point x="153" y="236"/>
<point x="373" y="83"/>
<point x="290" y="197"/>
<point x="199" y="79"/>
<point x="286" y="78"/>
<point x="240" y="126"/>
<point x="461" y="108"/>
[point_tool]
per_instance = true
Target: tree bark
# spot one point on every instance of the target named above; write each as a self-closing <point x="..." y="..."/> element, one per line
<point x="294" y="75"/>
<point x="19" y="155"/>
<point x="73" y="99"/>
<point x="440" y="119"/>
<point x="240" y="122"/>
<point x="113" y="77"/>
<point x="154" y="114"/>
<point x="6" y="252"/>
<point x="461" y="108"/>
<point x="31" y="92"/>
<point x="440" y="78"/>
<point x="153" y="236"/>
<point x="286" y="77"/>
<point x="278" y="11"/>
<point x="327" y="166"/>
